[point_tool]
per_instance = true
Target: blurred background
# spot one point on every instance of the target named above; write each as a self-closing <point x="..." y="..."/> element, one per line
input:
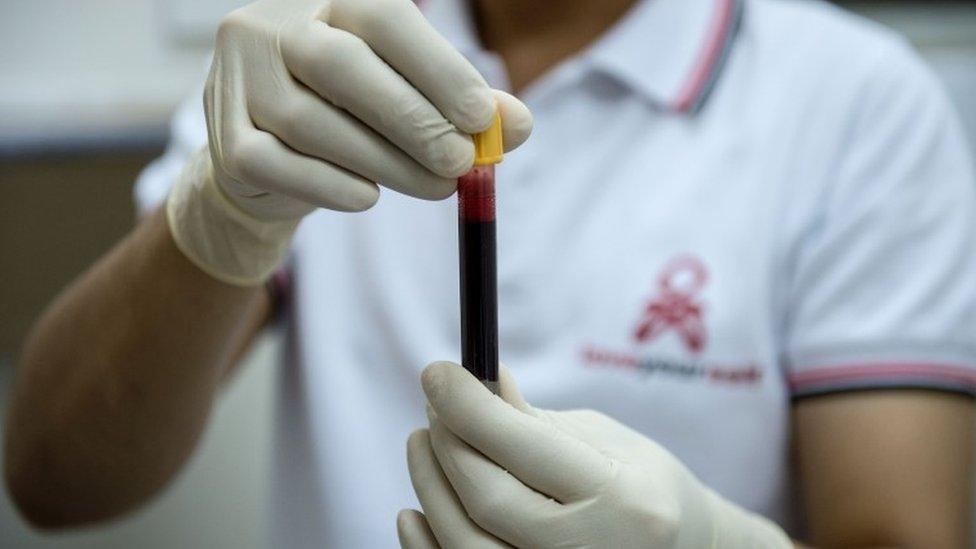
<point x="86" y="90"/>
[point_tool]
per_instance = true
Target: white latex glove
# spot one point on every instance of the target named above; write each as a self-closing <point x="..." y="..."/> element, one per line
<point x="494" y="472"/>
<point x="311" y="103"/>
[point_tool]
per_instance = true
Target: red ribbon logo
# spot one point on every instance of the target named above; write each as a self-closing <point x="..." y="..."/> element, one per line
<point x="676" y="307"/>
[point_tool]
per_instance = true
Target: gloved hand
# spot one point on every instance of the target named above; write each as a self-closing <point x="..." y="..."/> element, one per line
<point x="495" y="472"/>
<point x="311" y="103"/>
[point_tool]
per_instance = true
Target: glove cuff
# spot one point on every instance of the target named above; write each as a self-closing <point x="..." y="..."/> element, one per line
<point x="737" y="528"/>
<point x="216" y="235"/>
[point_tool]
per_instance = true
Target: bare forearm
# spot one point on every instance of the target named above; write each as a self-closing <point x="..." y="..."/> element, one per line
<point x="117" y="380"/>
<point x="886" y="469"/>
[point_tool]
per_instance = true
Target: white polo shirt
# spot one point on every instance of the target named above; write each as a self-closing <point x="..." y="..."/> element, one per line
<point x="725" y="205"/>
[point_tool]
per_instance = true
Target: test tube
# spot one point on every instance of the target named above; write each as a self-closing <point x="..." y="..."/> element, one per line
<point x="478" y="273"/>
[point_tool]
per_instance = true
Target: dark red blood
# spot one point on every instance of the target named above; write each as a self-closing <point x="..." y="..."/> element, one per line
<point x="479" y="282"/>
<point x="476" y="194"/>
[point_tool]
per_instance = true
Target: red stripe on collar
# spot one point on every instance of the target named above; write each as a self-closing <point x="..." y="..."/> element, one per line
<point x="710" y="57"/>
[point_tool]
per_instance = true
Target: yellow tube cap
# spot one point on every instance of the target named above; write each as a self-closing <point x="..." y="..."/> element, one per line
<point x="488" y="146"/>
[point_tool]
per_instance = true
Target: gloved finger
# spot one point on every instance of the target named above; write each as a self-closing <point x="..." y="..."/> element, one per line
<point x="259" y="159"/>
<point x="516" y="120"/>
<point x="259" y="165"/>
<point x="598" y="430"/>
<point x="446" y="516"/>
<point x="224" y="101"/>
<point x="493" y="498"/>
<point x="540" y="455"/>
<point x="402" y="36"/>
<point x="312" y="126"/>
<point x="340" y="67"/>
<point x="414" y="532"/>
<point x="509" y="392"/>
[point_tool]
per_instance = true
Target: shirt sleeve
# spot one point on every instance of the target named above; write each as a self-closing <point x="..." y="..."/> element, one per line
<point x="188" y="132"/>
<point x="883" y="291"/>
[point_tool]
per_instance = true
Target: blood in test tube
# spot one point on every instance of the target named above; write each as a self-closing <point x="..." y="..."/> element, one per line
<point x="479" y="283"/>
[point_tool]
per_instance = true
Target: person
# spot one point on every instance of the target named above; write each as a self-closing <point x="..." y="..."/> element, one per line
<point x="742" y="229"/>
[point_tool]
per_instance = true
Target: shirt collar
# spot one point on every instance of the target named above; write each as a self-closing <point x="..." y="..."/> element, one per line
<point x="670" y="51"/>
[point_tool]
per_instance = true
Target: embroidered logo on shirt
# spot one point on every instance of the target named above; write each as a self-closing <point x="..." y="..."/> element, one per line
<point x="676" y="307"/>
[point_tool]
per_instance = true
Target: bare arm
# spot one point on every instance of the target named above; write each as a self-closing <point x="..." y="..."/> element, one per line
<point x="886" y="469"/>
<point x="117" y="379"/>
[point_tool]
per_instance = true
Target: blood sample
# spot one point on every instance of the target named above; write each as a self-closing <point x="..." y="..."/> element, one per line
<point x="476" y="239"/>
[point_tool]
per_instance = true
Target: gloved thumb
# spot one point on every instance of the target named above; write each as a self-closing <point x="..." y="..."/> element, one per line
<point x="516" y="120"/>
<point x="439" y="377"/>
<point x="509" y="392"/>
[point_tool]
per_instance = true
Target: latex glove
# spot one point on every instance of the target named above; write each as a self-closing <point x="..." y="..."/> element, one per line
<point x="499" y="473"/>
<point x="311" y="103"/>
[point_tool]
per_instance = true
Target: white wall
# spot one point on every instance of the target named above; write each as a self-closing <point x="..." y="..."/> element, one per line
<point x="71" y="69"/>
